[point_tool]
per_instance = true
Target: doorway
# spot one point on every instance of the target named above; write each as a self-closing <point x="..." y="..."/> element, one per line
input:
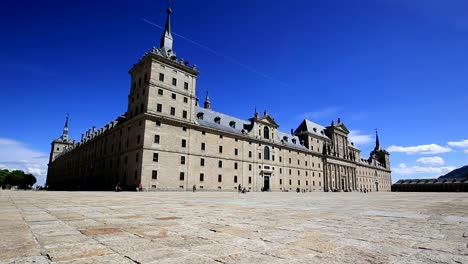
<point x="342" y="184"/>
<point x="377" y="186"/>
<point x="266" y="183"/>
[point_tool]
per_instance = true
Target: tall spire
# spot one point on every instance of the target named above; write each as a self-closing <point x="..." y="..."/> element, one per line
<point x="207" y="104"/>
<point x="65" y="128"/>
<point x="166" y="38"/>
<point x="377" y="142"/>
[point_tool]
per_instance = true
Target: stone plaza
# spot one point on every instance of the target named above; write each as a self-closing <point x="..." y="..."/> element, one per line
<point x="219" y="227"/>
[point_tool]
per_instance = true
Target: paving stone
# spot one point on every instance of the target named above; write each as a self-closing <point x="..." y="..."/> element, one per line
<point x="210" y="227"/>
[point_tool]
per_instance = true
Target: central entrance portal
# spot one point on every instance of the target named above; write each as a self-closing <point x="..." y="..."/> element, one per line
<point x="266" y="183"/>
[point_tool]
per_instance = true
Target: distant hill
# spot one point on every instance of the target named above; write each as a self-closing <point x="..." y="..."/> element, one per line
<point x="460" y="173"/>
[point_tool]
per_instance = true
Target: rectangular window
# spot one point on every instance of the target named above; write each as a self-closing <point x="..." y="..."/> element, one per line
<point x="259" y="155"/>
<point x="236" y="152"/>
<point x="220" y="149"/>
<point x="159" y="108"/>
<point x="250" y="180"/>
<point x="235" y="179"/>
<point x="182" y="176"/>
<point x="290" y="182"/>
<point x="184" y="143"/>
<point x="220" y="178"/>
<point x="281" y="170"/>
<point x="202" y="177"/>
<point x="158" y="123"/>
<point x="250" y="167"/>
<point x="182" y="160"/>
<point x="185" y="100"/>
<point x="154" y="175"/>
<point x="186" y="85"/>
<point x="161" y="77"/>
<point x="184" y="128"/>
<point x="299" y="172"/>
<point x="298" y="182"/>
<point x="160" y="91"/>
<point x="203" y="146"/>
<point x="174" y="81"/>
<point x="202" y="162"/>
<point x="289" y="171"/>
<point x="156" y="139"/>
<point x="273" y="157"/>
<point x="281" y="160"/>
<point x="235" y="165"/>
<point x="220" y="164"/>
<point x="298" y="162"/>
<point x="174" y="96"/>
<point x="155" y="157"/>
<point x="172" y="111"/>
<point x="289" y="160"/>
<point x="281" y="181"/>
<point x="250" y="154"/>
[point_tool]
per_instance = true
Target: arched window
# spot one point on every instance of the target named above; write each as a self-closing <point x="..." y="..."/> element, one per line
<point x="266" y="132"/>
<point x="232" y="124"/>
<point x="266" y="153"/>
<point x="217" y="120"/>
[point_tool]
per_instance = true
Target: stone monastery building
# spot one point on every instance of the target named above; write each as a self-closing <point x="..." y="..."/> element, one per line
<point x="165" y="141"/>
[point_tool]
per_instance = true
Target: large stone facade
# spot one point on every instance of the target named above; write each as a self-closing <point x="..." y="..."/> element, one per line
<point x="166" y="141"/>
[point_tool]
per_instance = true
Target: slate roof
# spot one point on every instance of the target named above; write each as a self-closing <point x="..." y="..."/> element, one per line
<point x="242" y="127"/>
<point x="312" y="128"/>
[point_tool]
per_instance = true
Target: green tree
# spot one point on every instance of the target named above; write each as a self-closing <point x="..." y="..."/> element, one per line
<point x="29" y="180"/>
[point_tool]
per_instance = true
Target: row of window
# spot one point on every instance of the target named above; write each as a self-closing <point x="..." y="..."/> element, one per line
<point x="174" y="81"/>
<point x="172" y="111"/>
<point x="235" y="179"/>
<point x="220" y="165"/>
<point x="173" y="95"/>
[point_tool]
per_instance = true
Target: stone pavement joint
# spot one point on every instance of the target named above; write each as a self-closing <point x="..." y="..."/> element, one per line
<point x="209" y="227"/>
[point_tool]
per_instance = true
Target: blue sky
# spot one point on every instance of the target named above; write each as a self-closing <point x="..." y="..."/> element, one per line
<point x="396" y="65"/>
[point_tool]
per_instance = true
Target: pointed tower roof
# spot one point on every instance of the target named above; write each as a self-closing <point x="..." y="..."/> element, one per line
<point x="207" y="103"/>
<point x="65" y="127"/>
<point x="377" y="142"/>
<point x="166" y="38"/>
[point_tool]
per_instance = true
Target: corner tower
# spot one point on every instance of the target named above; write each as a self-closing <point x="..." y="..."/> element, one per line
<point x="162" y="84"/>
<point x="61" y="143"/>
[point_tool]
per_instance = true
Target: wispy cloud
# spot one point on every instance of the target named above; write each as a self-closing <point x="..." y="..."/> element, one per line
<point x="358" y="138"/>
<point x="431" y="161"/>
<point x="466" y="151"/>
<point x="421" y="149"/>
<point x="459" y="144"/>
<point x="329" y="112"/>
<point x="15" y="155"/>
<point x="402" y="169"/>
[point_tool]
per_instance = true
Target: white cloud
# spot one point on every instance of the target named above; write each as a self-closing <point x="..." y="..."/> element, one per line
<point x="405" y="170"/>
<point x="431" y="161"/>
<point x="358" y="138"/>
<point x="460" y="144"/>
<point x="421" y="149"/>
<point x="320" y="114"/>
<point x="15" y="155"/>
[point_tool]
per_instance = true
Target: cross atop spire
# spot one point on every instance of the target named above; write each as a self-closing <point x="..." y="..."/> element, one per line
<point x="166" y="38"/>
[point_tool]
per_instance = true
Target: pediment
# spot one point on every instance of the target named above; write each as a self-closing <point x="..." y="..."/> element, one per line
<point x="342" y="127"/>
<point x="268" y="120"/>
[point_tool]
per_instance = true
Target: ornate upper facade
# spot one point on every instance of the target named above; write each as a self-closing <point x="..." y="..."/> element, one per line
<point x="166" y="141"/>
